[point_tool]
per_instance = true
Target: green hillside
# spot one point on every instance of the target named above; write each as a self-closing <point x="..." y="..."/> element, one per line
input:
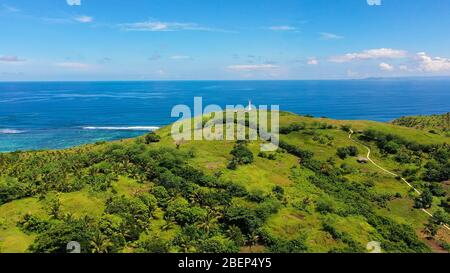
<point x="151" y="194"/>
<point x="432" y="123"/>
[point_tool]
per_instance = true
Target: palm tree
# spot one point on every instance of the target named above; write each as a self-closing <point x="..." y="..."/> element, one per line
<point x="170" y="222"/>
<point x="235" y="234"/>
<point x="209" y="221"/>
<point x="253" y="240"/>
<point x="185" y="244"/>
<point x="100" y="244"/>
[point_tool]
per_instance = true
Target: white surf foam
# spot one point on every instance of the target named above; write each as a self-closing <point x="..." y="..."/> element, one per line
<point x="10" y="131"/>
<point x="129" y="128"/>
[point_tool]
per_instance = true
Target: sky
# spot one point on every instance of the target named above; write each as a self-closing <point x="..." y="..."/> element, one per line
<point x="65" y="40"/>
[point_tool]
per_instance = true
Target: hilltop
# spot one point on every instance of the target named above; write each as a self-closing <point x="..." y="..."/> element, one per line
<point x="432" y="123"/>
<point x="318" y="193"/>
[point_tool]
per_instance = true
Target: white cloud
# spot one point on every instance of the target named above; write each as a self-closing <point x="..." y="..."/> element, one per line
<point x="10" y="59"/>
<point x="159" y="26"/>
<point x="74" y="65"/>
<point x="73" y="2"/>
<point x="374" y="2"/>
<point x="282" y="28"/>
<point x="432" y="64"/>
<point x="252" y="67"/>
<point x="313" y="61"/>
<point x="84" y="19"/>
<point x="380" y="53"/>
<point x="330" y="36"/>
<point x="386" y="67"/>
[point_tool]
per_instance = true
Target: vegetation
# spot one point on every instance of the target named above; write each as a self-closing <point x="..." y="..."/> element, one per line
<point x="344" y="152"/>
<point x="150" y="194"/>
<point x="152" y="138"/>
<point x="433" y="124"/>
<point x="241" y="155"/>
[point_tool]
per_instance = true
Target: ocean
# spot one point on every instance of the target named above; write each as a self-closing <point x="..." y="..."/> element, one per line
<point x="54" y="115"/>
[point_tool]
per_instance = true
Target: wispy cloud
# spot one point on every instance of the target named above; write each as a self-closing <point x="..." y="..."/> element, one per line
<point x="283" y="28"/>
<point x="380" y="53"/>
<point x="9" y="8"/>
<point x="105" y="60"/>
<point x="155" y="57"/>
<point x="312" y="61"/>
<point x="181" y="57"/>
<point x="160" y="26"/>
<point x="11" y="59"/>
<point x="84" y="19"/>
<point x="73" y="65"/>
<point x="252" y="67"/>
<point x="330" y="36"/>
<point x="73" y="2"/>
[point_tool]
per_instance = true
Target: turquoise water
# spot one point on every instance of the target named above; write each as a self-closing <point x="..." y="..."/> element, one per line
<point x="51" y="115"/>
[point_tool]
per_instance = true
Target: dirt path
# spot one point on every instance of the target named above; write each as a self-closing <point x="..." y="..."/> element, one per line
<point x="391" y="173"/>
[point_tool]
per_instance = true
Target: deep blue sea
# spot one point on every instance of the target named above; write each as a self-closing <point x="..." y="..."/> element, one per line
<point x="51" y="115"/>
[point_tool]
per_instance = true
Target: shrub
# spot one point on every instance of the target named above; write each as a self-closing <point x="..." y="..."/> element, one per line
<point x="324" y="206"/>
<point x="10" y="189"/>
<point x="154" y="245"/>
<point x="152" y="138"/>
<point x="346" y="128"/>
<point x="217" y="245"/>
<point x="278" y="191"/>
<point x="391" y="147"/>
<point x="241" y="156"/>
<point x="344" y="152"/>
<point x="55" y="238"/>
<point x="244" y="218"/>
<point x="183" y="212"/>
<point x="425" y="200"/>
<point x="162" y="196"/>
<point x="302" y="154"/>
<point x="293" y="127"/>
<point x="280" y="245"/>
<point x="256" y="196"/>
<point x="31" y="223"/>
<point x="437" y="189"/>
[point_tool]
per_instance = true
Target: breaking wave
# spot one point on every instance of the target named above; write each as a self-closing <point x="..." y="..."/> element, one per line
<point x="10" y="131"/>
<point x="129" y="128"/>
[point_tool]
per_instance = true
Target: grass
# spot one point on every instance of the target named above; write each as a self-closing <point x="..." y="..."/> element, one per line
<point x="129" y="187"/>
<point x="12" y="239"/>
<point x="82" y="203"/>
<point x="438" y="123"/>
<point x="299" y="216"/>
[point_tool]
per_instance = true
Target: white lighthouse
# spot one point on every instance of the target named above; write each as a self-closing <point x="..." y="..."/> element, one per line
<point x="249" y="107"/>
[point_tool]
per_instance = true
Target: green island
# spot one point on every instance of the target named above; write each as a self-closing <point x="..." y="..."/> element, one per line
<point x="320" y="192"/>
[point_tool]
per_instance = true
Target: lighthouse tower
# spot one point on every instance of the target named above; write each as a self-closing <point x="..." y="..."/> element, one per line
<point x="249" y="107"/>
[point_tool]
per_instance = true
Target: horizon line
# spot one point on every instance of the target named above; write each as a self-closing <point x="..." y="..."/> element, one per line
<point x="229" y="80"/>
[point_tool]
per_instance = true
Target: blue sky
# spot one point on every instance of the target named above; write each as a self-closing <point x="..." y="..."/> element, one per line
<point x="222" y="39"/>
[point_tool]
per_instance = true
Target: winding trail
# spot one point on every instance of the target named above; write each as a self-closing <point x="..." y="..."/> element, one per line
<point x="391" y="173"/>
